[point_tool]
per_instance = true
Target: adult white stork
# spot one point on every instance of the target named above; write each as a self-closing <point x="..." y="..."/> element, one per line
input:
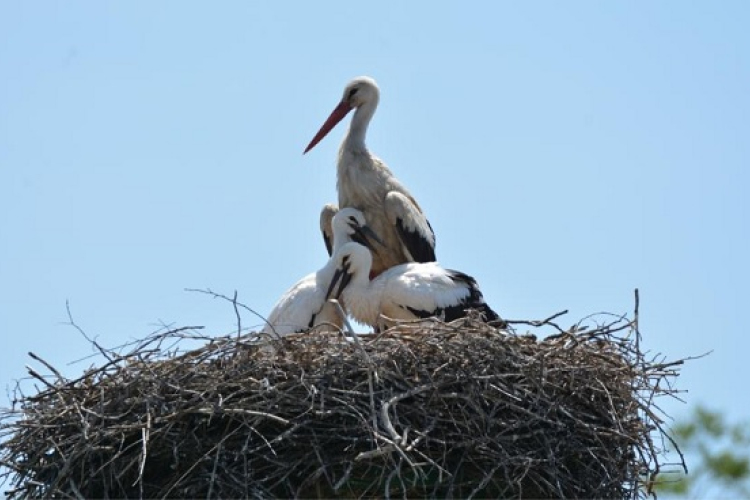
<point x="404" y="292"/>
<point x="366" y="183"/>
<point x="305" y="305"/>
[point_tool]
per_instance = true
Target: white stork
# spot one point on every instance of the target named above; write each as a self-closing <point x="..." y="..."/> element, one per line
<point x="305" y="305"/>
<point x="366" y="183"/>
<point x="404" y="292"/>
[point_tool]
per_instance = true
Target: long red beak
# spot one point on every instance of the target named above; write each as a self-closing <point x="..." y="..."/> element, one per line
<point x="337" y="115"/>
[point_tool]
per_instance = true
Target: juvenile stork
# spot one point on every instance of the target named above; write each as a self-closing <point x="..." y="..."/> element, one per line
<point x="404" y="292"/>
<point x="305" y="305"/>
<point x="367" y="184"/>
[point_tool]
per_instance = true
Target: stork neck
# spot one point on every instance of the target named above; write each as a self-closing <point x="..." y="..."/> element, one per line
<point x="325" y="273"/>
<point x="362" y="298"/>
<point x="355" y="137"/>
<point x="361" y="279"/>
<point x="361" y="264"/>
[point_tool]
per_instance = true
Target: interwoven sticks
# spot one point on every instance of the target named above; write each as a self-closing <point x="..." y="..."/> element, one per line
<point x="438" y="410"/>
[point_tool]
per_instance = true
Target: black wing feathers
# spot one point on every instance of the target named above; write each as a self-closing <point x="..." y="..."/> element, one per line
<point x="329" y="244"/>
<point x="417" y="245"/>
<point x="474" y="300"/>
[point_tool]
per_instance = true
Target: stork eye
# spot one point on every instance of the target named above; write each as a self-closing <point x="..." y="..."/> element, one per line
<point x="352" y="92"/>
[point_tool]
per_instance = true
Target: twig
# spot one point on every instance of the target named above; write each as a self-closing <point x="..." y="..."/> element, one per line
<point x="242" y="411"/>
<point x="395" y="399"/>
<point x="145" y="435"/>
<point x="538" y="323"/>
<point x="39" y="377"/>
<point x="234" y="302"/>
<point x="93" y="342"/>
<point x="237" y="314"/>
<point x="372" y="374"/>
<point x="48" y="366"/>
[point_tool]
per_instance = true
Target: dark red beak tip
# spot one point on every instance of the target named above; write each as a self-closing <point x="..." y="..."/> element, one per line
<point x="336" y="116"/>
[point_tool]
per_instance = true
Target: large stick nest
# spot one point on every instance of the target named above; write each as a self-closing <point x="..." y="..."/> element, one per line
<point x="443" y="410"/>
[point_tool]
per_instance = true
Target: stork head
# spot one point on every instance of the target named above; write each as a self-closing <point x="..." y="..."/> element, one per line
<point x="358" y="92"/>
<point x="349" y="224"/>
<point x="354" y="263"/>
<point x="361" y="90"/>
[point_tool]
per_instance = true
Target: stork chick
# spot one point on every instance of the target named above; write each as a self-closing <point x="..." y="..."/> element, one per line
<point x="305" y="305"/>
<point x="404" y="292"/>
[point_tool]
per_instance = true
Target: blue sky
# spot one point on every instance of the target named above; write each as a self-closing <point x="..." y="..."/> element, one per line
<point x="564" y="153"/>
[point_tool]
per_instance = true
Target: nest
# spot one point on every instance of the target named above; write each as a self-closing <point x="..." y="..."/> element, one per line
<point x="438" y="410"/>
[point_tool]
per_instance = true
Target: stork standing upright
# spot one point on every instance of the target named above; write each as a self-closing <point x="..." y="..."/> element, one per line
<point x="305" y="305"/>
<point x="404" y="292"/>
<point x="367" y="184"/>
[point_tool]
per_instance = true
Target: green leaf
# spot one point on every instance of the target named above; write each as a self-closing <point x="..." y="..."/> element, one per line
<point x="727" y="466"/>
<point x="685" y="432"/>
<point x="674" y="485"/>
<point x="740" y="434"/>
<point x="710" y="421"/>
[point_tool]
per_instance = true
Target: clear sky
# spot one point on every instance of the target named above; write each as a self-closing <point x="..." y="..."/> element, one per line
<point x="565" y="154"/>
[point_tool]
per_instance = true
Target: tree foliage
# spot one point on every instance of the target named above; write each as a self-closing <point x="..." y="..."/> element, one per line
<point x="718" y="455"/>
